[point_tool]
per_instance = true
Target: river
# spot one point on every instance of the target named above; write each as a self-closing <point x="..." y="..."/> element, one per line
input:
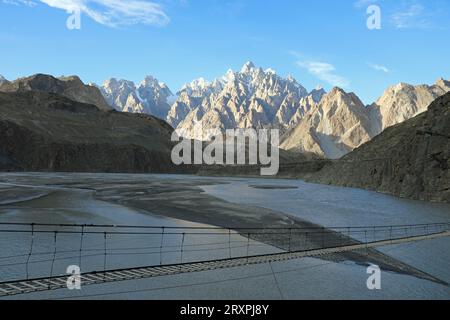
<point x="92" y="199"/>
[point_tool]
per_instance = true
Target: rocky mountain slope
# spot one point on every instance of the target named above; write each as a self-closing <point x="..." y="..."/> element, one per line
<point x="403" y="101"/>
<point x="250" y="98"/>
<point x="340" y="122"/>
<point x="319" y="124"/>
<point x="2" y="80"/>
<point x="149" y="97"/>
<point x="315" y="123"/>
<point x="70" y="87"/>
<point x="337" y="125"/>
<point x="411" y="159"/>
<point x="42" y="131"/>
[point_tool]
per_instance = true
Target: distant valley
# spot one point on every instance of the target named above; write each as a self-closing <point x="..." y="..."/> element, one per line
<point x="62" y="124"/>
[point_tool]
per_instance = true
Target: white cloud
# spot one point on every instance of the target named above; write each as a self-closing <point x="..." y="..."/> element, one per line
<point x="323" y="71"/>
<point x="112" y="13"/>
<point x="115" y="13"/>
<point x="379" y="67"/>
<point x="413" y="16"/>
<point x="27" y="3"/>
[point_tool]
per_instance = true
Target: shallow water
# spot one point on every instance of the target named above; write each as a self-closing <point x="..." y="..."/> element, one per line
<point x="20" y="252"/>
<point x="306" y="278"/>
<point x="331" y="206"/>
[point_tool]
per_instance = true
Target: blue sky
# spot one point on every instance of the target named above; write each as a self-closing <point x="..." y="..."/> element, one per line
<point x="321" y="42"/>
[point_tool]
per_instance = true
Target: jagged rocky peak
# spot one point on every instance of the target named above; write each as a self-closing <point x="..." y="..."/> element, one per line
<point x="117" y="92"/>
<point x="418" y="149"/>
<point x="150" y="89"/>
<point x="340" y="122"/>
<point x="337" y="125"/>
<point x="251" y="97"/>
<point x="3" y="80"/>
<point x="317" y="93"/>
<point x="339" y="103"/>
<point x="248" y="67"/>
<point x="444" y="84"/>
<point x="197" y="87"/>
<point x="340" y="94"/>
<point x="403" y="101"/>
<point x="115" y="84"/>
<point x="150" y="96"/>
<point x="290" y="78"/>
<point x="150" y="82"/>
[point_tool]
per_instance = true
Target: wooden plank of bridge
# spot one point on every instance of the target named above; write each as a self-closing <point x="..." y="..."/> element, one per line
<point x="35" y="285"/>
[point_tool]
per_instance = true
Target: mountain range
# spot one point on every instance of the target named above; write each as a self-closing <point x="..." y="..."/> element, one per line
<point x="397" y="145"/>
<point x="250" y="98"/>
<point x="410" y="159"/>
<point x="314" y="123"/>
<point x="150" y="96"/>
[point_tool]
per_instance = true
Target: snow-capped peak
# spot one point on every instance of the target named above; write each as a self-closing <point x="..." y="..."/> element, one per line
<point x="251" y="97"/>
<point x="199" y="84"/>
<point x="248" y="66"/>
<point x="151" y="96"/>
<point x="162" y="84"/>
<point x="149" y="81"/>
<point x="229" y="76"/>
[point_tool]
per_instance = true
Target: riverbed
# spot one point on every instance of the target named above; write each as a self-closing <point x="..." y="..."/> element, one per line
<point x="192" y="201"/>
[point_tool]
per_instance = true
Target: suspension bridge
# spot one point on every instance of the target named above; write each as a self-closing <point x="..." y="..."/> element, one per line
<point x="34" y="257"/>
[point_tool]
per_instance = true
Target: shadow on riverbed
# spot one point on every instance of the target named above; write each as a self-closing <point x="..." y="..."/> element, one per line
<point x="273" y="187"/>
<point x="182" y="198"/>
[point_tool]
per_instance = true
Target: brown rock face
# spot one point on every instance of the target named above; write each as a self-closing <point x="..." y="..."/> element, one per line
<point x="70" y="87"/>
<point x="404" y="101"/>
<point x="47" y="132"/>
<point x="336" y="126"/>
<point x="411" y="159"/>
